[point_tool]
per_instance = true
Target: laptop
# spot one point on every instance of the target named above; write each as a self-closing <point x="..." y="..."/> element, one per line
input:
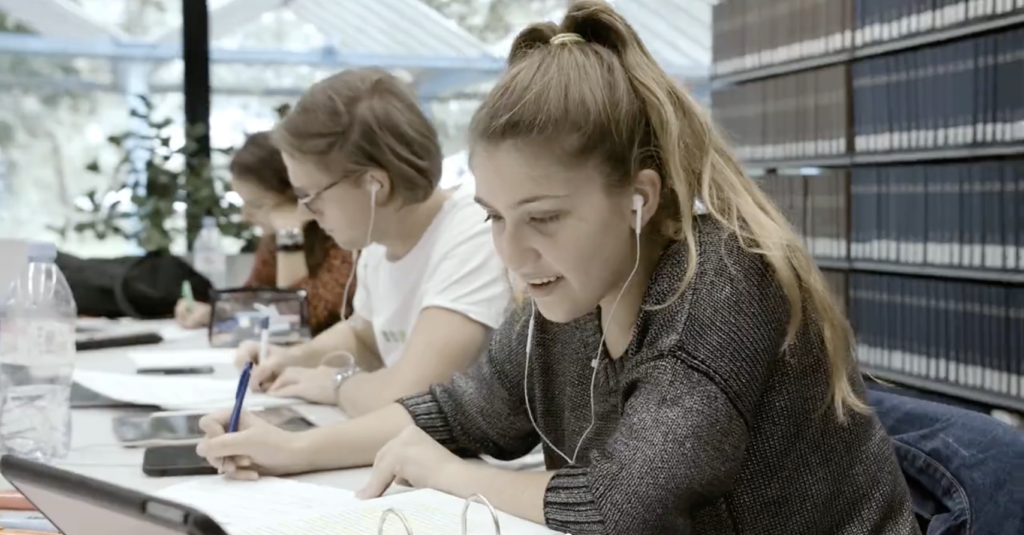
<point x="80" y="505"/>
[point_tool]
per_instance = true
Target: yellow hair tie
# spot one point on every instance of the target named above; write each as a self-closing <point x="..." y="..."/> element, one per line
<point x="567" y="38"/>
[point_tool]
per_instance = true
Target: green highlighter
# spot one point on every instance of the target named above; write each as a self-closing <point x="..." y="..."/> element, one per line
<point x="186" y="294"/>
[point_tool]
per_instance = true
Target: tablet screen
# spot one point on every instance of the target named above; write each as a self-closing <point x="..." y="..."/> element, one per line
<point x="142" y="429"/>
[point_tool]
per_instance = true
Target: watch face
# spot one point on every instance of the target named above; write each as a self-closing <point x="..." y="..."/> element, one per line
<point x="342" y="374"/>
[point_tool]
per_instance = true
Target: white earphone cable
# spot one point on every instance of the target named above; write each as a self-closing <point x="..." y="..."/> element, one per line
<point x="355" y="253"/>
<point x="594" y="363"/>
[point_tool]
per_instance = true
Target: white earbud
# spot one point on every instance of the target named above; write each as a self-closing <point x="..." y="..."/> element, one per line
<point x="374" y="188"/>
<point x="638" y="205"/>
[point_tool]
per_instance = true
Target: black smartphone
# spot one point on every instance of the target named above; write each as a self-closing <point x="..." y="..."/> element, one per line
<point x="147" y="429"/>
<point x="189" y="370"/>
<point x="177" y="460"/>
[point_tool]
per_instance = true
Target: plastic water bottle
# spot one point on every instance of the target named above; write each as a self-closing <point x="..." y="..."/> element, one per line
<point x="208" y="253"/>
<point x="37" y="359"/>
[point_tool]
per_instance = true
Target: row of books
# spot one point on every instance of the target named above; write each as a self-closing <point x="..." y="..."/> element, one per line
<point x="957" y="94"/>
<point x="883" y="20"/>
<point x="961" y="93"/>
<point x="961" y="215"/>
<point x="816" y="206"/>
<point x="962" y="333"/>
<point x="748" y="34"/>
<point x="968" y="215"/>
<point x="797" y="116"/>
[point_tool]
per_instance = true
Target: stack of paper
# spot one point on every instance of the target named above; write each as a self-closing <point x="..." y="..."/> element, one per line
<point x="181" y="358"/>
<point x="272" y="506"/>
<point x="175" y="392"/>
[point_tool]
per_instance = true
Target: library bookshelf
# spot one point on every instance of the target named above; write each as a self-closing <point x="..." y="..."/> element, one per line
<point x="891" y="133"/>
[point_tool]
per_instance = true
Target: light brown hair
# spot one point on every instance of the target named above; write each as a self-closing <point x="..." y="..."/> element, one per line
<point x="597" y="94"/>
<point x="363" y="119"/>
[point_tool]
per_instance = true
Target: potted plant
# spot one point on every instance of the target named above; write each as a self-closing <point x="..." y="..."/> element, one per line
<point x="148" y="183"/>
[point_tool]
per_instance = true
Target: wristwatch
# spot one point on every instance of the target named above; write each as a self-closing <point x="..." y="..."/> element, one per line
<point x="290" y="239"/>
<point x="343" y="373"/>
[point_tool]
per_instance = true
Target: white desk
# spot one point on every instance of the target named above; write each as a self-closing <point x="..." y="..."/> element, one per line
<point x="96" y="452"/>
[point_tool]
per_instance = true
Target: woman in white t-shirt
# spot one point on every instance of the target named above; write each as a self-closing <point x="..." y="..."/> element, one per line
<point x="366" y="162"/>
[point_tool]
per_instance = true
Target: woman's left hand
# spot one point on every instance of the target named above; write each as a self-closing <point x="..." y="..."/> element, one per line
<point x="414" y="458"/>
<point x="315" y="385"/>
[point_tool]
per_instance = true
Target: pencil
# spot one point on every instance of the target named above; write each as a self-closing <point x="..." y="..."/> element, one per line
<point x="186" y="294"/>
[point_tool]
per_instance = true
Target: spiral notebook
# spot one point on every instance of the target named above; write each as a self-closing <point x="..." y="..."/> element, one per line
<point x="273" y="506"/>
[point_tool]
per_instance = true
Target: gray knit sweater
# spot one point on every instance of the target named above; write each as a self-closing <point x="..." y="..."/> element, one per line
<point x="703" y="426"/>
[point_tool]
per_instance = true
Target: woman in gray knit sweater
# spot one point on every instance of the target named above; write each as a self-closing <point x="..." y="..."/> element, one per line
<point x="684" y="373"/>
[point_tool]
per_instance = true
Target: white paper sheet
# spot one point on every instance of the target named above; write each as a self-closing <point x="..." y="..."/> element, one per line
<point x="181" y="358"/>
<point x="172" y="392"/>
<point x="171" y="333"/>
<point x="245" y="506"/>
<point x="272" y="506"/>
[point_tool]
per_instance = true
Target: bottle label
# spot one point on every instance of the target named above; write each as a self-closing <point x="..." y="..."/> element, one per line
<point x="208" y="263"/>
<point x="37" y="341"/>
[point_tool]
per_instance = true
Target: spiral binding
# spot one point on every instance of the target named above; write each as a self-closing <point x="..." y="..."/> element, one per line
<point x="384" y="519"/>
<point x="479" y="499"/>
<point x="476" y="498"/>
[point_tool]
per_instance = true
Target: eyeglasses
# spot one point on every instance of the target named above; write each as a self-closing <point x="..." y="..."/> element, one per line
<point x="307" y="201"/>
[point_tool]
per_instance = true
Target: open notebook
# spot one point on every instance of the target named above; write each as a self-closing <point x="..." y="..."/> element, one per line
<point x="272" y="506"/>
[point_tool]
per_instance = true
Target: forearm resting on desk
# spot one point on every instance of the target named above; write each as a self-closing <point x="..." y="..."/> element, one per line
<point x="442" y="343"/>
<point x="342" y="336"/>
<point x="354" y="443"/>
<point x="517" y="493"/>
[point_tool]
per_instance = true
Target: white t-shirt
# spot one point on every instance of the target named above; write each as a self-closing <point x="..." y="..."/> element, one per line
<point x="453" y="266"/>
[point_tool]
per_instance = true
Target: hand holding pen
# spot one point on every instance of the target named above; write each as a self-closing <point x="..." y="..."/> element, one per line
<point x="243" y="380"/>
<point x="244" y="446"/>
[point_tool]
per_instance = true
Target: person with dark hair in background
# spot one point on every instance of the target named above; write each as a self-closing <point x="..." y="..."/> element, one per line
<point x="294" y="253"/>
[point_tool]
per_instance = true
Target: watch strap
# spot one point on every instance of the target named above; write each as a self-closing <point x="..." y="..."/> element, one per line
<point x="289" y="240"/>
<point x="342" y="375"/>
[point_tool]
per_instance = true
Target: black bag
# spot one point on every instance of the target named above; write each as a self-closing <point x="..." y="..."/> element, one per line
<point x="143" y="287"/>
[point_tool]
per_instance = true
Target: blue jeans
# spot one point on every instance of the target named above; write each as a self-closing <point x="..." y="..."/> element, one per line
<point x="965" y="470"/>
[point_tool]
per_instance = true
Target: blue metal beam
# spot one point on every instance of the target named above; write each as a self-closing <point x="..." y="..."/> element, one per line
<point x="325" y="57"/>
<point x="439" y="83"/>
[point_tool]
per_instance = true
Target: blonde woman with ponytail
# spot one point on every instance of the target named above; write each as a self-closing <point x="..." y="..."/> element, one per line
<point x="684" y="372"/>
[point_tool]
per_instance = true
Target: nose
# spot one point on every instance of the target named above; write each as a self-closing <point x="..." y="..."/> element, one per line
<point x="515" y="249"/>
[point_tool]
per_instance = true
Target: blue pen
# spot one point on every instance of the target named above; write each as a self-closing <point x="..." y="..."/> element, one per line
<point x="243" y="384"/>
<point x="243" y="381"/>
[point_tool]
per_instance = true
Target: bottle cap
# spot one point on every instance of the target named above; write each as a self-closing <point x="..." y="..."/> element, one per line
<point x="41" y="251"/>
<point x="209" y="222"/>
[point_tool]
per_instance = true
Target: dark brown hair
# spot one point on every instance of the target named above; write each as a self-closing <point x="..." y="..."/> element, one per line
<point x="362" y="119"/>
<point x="589" y="88"/>
<point x="258" y="162"/>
